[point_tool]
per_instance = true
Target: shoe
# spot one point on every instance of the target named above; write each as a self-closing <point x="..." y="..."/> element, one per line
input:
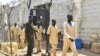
<point x="35" y="52"/>
<point x="39" y="51"/>
<point x="25" y="55"/>
<point x="44" y="54"/>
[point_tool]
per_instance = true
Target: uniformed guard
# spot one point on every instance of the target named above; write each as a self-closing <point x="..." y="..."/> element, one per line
<point x="69" y="36"/>
<point x="53" y="32"/>
<point x="29" y="33"/>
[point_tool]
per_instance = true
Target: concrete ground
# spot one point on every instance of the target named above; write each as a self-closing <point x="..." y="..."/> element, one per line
<point x="82" y="52"/>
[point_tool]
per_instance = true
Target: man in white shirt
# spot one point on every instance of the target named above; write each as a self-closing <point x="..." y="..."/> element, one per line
<point x="69" y="36"/>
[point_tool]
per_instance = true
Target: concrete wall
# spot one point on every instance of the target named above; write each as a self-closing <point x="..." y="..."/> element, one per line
<point x="86" y="13"/>
<point x="90" y="20"/>
<point x="59" y="11"/>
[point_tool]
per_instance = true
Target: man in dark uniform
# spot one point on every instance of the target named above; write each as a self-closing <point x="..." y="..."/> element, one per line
<point x="29" y="33"/>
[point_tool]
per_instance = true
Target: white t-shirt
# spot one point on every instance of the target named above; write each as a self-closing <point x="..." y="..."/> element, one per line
<point x="69" y="26"/>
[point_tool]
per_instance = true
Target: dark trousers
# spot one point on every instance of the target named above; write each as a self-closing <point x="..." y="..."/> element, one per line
<point x="47" y="44"/>
<point x="30" y="46"/>
<point x="30" y="50"/>
<point x="47" y="41"/>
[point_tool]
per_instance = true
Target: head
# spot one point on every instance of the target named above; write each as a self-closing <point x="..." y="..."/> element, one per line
<point x="38" y="23"/>
<point x="53" y="22"/>
<point x="15" y="24"/>
<point x="70" y="18"/>
<point x="21" y="27"/>
<point x="30" y="19"/>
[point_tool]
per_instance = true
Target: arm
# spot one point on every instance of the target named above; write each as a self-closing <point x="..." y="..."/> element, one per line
<point x="34" y="28"/>
<point x="48" y="31"/>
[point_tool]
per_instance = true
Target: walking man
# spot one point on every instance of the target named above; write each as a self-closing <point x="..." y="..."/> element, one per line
<point x="69" y="36"/>
<point x="53" y="32"/>
<point x="39" y="37"/>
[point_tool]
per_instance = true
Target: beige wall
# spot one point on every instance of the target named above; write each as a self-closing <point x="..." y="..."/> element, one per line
<point x="90" y="20"/>
<point x="86" y="13"/>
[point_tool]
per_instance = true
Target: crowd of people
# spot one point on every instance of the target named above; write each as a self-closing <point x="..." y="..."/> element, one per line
<point x="18" y="35"/>
<point x="31" y="34"/>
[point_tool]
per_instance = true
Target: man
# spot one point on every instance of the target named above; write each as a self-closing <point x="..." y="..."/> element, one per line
<point x="29" y="33"/>
<point x="11" y="30"/>
<point x="69" y="36"/>
<point x="22" y="37"/>
<point x="53" y="32"/>
<point x="15" y="33"/>
<point x="39" y="37"/>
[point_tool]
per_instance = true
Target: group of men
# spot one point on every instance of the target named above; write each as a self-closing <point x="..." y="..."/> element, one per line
<point x="18" y="35"/>
<point x="28" y="34"/>
<point x="32" y="33"/>
<point x="68" y="37"/>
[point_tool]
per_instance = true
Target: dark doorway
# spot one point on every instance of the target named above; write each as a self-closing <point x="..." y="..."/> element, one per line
<point x="41" y="15"/>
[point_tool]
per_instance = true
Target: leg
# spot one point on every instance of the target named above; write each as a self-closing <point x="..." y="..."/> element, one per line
<point x="65" y="47"/>
<point x="73" y="48"/>
<point x="54" y="46"/>
<point x="39" y="41"/>
<point x="23" y="44"/>
<point x="36" y="44"/>
<point x="47" y="43"/>
<point x="30" y="46"/>
<point x="18" y="41"/>
<point x="29" y="50"/>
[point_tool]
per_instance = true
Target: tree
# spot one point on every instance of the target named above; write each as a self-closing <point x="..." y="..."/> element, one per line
<point x="78" y="15"/>
<point x="29" y="4"/>
<point x="48" y="5"/>
<point x="0" y="13"/>
<point x="24" y="4"/>
<point x="8" y="9"/>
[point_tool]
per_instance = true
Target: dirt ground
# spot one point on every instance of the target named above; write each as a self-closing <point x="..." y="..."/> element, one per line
<point x="82" y="52"/>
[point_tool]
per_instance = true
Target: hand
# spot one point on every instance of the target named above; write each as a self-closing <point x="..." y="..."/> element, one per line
<point x="44" y="31"/>
<point x="71" y="39"/>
